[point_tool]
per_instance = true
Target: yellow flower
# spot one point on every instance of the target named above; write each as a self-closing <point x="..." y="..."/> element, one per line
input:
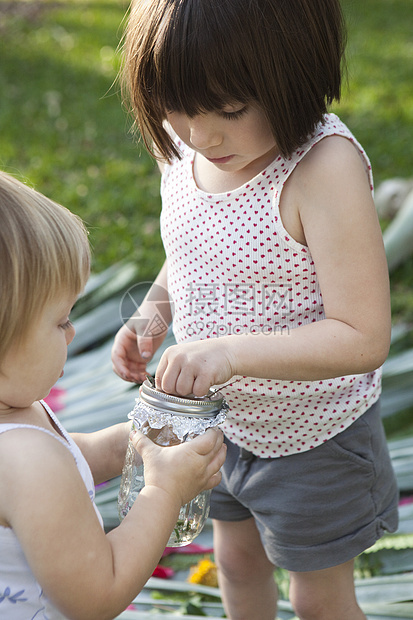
<point x="205" y="573"/>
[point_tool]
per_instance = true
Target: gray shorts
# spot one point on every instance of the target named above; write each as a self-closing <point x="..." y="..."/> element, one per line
<point x="319" y="508"/>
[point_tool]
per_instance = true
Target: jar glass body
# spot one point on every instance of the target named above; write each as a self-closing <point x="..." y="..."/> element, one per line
<point x="192" y="516"/>
<point x="167" y="428"/>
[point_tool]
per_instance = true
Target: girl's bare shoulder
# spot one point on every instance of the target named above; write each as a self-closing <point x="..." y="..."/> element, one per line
<point x="333" y="159"/>
<point x="29" y="460"/>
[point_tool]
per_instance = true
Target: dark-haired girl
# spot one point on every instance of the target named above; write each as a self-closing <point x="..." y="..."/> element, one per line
<point x="277" y="276"/>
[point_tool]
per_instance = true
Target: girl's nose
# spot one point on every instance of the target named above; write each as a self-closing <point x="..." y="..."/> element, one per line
<point x="70" y="334"/>
<point x="203" y="132"/>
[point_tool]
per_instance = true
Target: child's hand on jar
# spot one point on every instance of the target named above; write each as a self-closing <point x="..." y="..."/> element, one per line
<point x="186" y="469"/>
<point x="193" y="367"/>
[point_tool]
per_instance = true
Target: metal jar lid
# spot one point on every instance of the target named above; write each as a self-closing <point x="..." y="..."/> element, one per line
<point x="209" y="405"/>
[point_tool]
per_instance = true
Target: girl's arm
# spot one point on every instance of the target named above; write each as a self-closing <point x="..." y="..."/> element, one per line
<point x="104" y="450"/>
<point x="330" y="197"/>
<point x="132" y="348"/>
<point x="87" y="574"/>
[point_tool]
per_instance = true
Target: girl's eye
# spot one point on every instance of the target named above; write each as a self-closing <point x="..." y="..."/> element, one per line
<point x="67" y="325"/>
<point x="232" y="116"/>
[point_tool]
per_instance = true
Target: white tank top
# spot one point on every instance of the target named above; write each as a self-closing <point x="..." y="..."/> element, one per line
<point x="21" y="596"/>
<point x="234" y="269"/>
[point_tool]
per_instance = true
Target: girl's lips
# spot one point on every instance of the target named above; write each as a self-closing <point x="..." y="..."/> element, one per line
<point x="220" y="160"/>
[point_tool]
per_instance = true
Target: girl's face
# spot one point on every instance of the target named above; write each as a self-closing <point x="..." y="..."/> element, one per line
<point x="236" y="139"/>
<point x="31" y="369"/>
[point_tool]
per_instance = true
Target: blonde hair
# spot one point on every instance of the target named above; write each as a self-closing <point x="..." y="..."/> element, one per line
<point x="44" y="252"/>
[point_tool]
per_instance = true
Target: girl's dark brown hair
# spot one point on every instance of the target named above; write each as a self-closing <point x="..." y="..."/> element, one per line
<point x="194" y="56"/>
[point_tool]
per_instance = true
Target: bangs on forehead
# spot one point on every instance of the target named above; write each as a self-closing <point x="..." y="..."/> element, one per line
<point x="199" y="64"/>
<point x="192" y="56"/>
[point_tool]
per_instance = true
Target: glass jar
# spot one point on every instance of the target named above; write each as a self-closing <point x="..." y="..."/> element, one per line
<point x="170" y="420"/>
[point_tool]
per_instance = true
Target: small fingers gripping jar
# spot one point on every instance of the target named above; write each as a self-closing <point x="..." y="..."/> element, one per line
<point x="170" y="420"/>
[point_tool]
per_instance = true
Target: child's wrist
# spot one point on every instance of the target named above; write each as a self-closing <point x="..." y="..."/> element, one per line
<point x="169" y="499"/>
<point x="233" y="347"/>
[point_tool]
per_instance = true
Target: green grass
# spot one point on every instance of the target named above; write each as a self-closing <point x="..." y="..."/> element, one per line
<point x="378" y="103"/>
<point x="63" y="129"/>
